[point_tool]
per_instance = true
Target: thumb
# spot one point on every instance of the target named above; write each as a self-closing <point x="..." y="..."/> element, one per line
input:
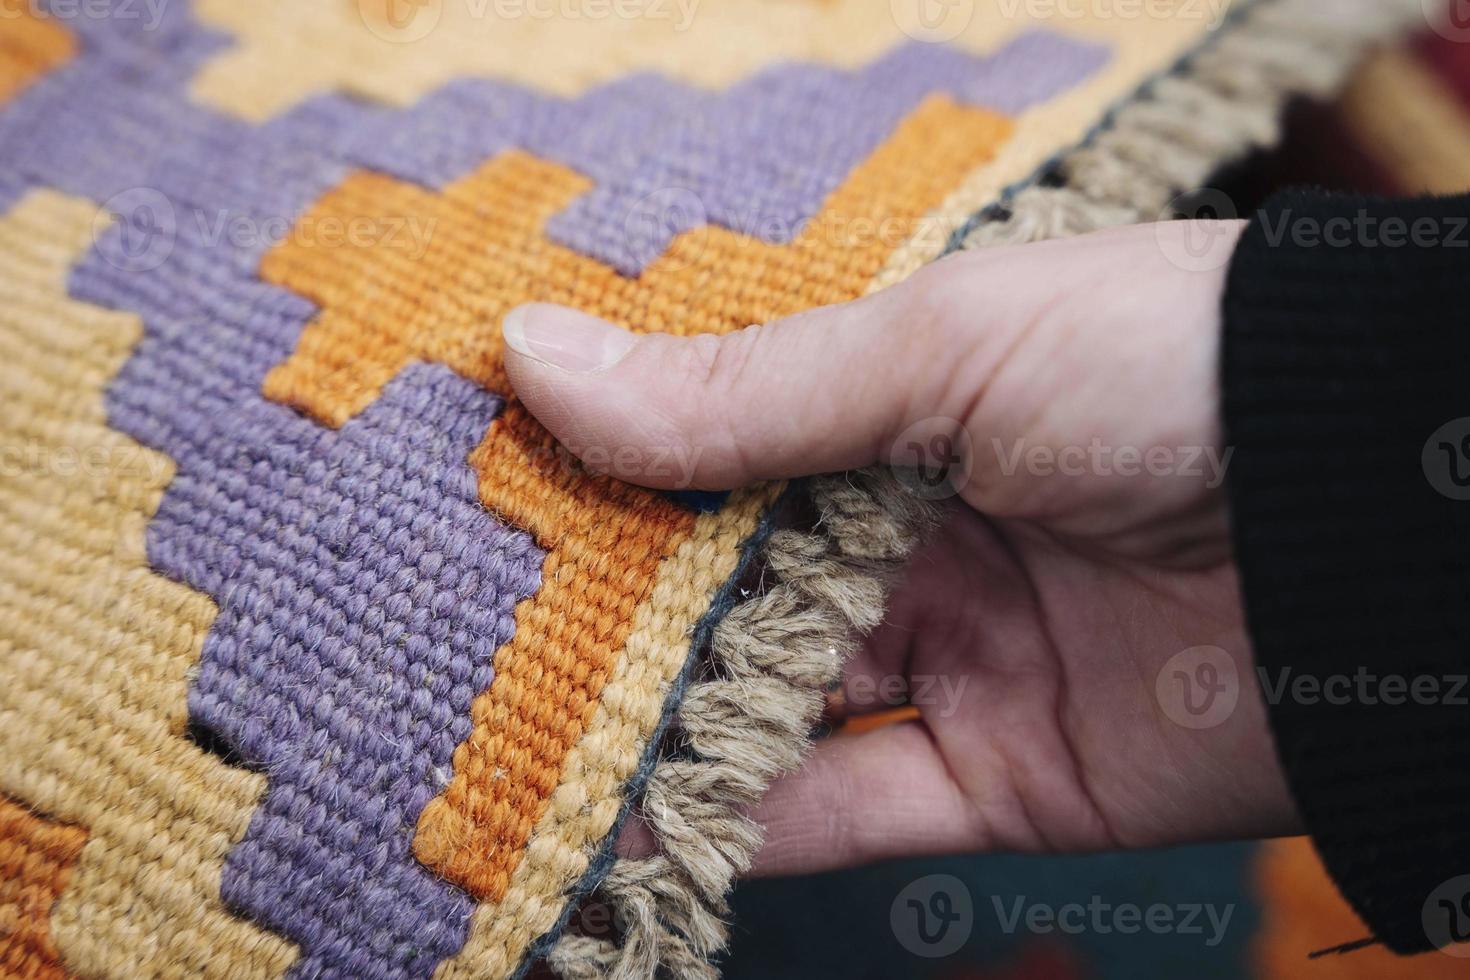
<point x="823" y="391"/>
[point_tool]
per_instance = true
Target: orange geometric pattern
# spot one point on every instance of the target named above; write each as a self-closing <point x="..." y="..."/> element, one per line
<point x="605" y="541"/>
<point x="481" y="251"/>
<point x="438" y="291"/>
<point x="30" y="46"/>
<point x="36" y="859"/>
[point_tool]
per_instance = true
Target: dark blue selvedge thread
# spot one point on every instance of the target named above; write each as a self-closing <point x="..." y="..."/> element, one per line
<point x="725" y="599"/>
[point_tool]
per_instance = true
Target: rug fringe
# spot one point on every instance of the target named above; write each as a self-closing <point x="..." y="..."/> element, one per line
<point x="746" y="720"/>
<point x="1221" y="104"/>
<point x="749" y="717"/>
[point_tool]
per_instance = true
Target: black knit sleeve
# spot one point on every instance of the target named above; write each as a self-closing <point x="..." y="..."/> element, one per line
<point x="1346" y="381"/>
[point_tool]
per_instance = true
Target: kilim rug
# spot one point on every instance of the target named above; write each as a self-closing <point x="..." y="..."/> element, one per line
<point x="319" y="657"/>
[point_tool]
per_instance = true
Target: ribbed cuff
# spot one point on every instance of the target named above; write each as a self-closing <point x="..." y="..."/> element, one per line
<point x="1346" y="380"/>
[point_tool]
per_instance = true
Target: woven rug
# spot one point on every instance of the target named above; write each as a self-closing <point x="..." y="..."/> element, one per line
<point x="320" y="657"/>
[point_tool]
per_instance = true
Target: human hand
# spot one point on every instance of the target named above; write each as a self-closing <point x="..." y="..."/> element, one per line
<point x="1067" y="574"/>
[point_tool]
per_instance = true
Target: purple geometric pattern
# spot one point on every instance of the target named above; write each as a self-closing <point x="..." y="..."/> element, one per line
<point x="759" y="158"/>
<point x="762" y="157"/>
<point x="98" y="124"/>
<point x="362" y="588"/>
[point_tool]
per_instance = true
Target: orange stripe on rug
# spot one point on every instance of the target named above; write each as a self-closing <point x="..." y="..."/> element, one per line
<point x="36" y="860"/>
<point x="605" y="541"/>
<point x="30" y="46"/>
<point x="404" y="274"/>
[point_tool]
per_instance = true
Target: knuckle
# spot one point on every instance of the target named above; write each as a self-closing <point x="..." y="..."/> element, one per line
<point x="718" y="364"/>
<point x="711" y="394"/>
<point x="717" y="371"/>
<point x="931" y="304"/>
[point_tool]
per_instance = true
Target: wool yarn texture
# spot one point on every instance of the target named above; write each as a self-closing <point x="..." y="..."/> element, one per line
<point x="320" y="657"/>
